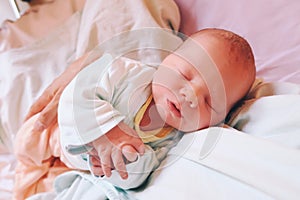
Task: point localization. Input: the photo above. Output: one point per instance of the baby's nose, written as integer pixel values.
(189, 96)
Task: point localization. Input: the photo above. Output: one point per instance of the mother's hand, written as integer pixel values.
(47, 103)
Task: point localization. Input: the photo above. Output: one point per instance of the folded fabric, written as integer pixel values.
(40, 160)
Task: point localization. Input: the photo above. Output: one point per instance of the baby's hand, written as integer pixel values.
(119, 143)
(129, 155)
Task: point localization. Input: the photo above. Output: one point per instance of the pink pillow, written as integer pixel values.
(271, 27)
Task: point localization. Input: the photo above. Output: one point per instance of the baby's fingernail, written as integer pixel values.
(124, 176)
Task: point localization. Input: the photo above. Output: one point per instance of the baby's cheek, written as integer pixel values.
(197, 120)
(161, 111)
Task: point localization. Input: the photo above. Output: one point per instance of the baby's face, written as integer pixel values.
(189, 96)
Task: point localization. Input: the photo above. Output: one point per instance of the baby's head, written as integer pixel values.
(197, 85)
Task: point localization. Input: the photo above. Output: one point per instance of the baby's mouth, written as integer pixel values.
(173, 108)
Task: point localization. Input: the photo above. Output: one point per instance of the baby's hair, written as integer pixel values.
(237, 44)
(238, 47)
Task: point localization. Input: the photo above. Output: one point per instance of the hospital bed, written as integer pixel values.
(255, 157)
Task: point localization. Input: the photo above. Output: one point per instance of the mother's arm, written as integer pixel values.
(47, 103)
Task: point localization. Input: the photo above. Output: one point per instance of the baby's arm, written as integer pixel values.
(90, 109)
(85, 112)
(90, 105)
(111, 147)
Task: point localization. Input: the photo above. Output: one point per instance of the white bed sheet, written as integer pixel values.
(225, 173)
(7, 166)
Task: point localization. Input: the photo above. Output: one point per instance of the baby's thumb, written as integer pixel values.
(129, 153)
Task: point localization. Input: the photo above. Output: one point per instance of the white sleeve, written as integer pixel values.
(100, 96)
(85, 112)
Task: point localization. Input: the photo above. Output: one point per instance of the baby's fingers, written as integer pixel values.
(97, 170)
(129, 153)
(119, 163)
(106, 164)
(95, 166)
(95, 161)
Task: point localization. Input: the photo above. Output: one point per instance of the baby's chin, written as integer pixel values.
(175, 122)
(187, 128)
